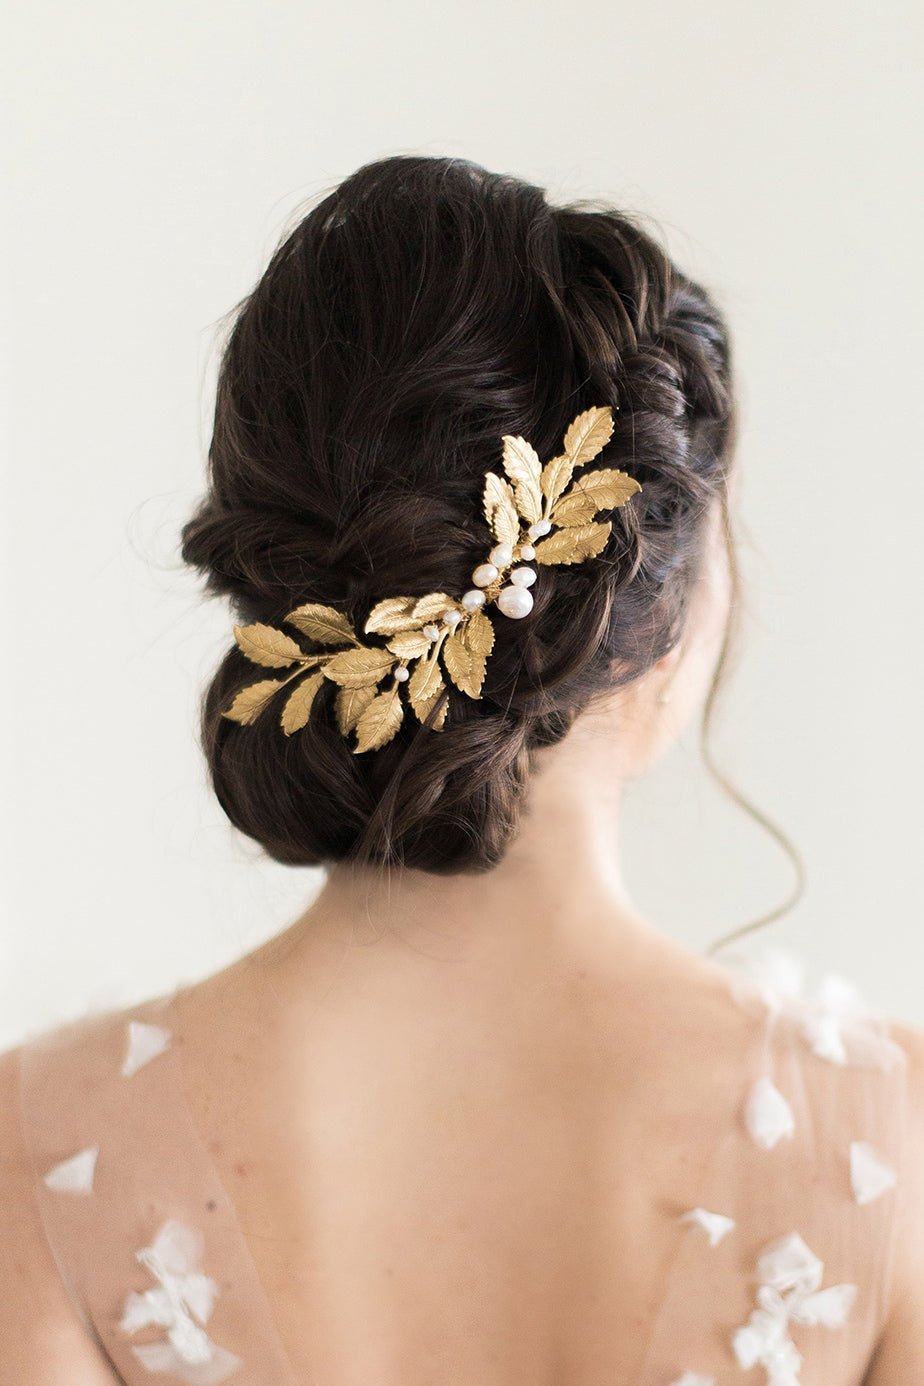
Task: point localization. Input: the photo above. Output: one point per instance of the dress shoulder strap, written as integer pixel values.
(786, 1263)
(142, 1230)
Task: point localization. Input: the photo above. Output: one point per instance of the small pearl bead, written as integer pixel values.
(401, 673)
(472, 599)
(540, 527)
(484, 574)
(431, 631)
(452, 618)
(527, 551)
(523, 577)
(501, 555)
(515, 601)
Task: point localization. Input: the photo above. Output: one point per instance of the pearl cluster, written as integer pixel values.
(514, 599)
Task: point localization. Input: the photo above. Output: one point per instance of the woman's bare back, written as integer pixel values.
(404, 1171)
(461, 1172)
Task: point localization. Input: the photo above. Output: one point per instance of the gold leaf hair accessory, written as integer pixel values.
(417, 630)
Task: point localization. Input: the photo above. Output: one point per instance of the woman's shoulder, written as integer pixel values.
(44, 1336)
(121, 1217)
(822, 1161)
(57, 1090)
(900, 1354)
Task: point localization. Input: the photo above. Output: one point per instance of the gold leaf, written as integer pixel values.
(354, 668)
(391, 615)
(409, 644)
(298, 705)
(464, 666)
(250, 701)
(555, 477)
(380, 721)
(478, 633)
(601, 490)
(425, 684)
(522, 465)
(457, 661)
(267, 645)
(588, 434)
(434, 605)
(500, 509)
(350, 704)
(573, 545)
(323, 624)
(478, 674)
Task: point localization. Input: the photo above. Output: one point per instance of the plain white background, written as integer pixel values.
(154, 155)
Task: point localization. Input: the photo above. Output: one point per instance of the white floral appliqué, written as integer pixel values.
(838, 1025)
(75, 1174)
(790, 1275)
(144, 1043)
(183, 1294)
(767, 1115)
(715, 1225)
(870, 1175)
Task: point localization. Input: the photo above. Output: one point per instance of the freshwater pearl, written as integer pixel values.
(540, 527)
(431, 631)
(515, 601)
(472, 599)
(484, 574)
(452, 617)
(401, 673)
(523, 577)
(527, 551)
(501, 555)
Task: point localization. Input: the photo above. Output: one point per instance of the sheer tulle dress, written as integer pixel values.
(779, 1273)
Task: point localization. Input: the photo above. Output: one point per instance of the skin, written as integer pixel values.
(424, 1075)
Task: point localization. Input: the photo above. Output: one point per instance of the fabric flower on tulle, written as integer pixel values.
(790, 1275)
(75, 1174)
(182, 1296)
(835, 1021)
(143, 1043)
(870, 1174)
(715, 1225)
(767, 1115)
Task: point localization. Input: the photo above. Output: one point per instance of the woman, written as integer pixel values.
(472, 1117)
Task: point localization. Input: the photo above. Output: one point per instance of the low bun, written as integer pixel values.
(443, 799)
(421, 310)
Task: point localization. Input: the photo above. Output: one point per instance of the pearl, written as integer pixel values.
(540, 527)
(501, 555)
(401, 673)
(473, 599)
(515, 601)
(527, 551)
(523, 577)
(431, 631)
(452, 618)
(484, 574)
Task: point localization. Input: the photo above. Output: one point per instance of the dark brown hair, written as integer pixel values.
(418, 312)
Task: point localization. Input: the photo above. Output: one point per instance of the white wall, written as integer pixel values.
(153, 154)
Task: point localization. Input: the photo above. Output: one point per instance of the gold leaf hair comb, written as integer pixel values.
(417, 630)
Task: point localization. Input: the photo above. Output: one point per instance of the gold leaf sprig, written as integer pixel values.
(420, 632)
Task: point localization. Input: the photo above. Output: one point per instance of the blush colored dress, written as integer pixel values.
(780, 1274)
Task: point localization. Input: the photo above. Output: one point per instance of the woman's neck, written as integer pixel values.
(560, 879)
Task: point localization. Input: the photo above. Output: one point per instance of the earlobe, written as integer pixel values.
(664, 696)
(668, 664)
